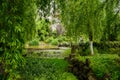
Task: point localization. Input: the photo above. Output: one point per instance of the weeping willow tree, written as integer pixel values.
(17, 25)
(86, 16)
(83, 16)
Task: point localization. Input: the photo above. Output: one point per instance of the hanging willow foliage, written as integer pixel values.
(81, 16)
(86, 16)
(112, 22)
(17, 25)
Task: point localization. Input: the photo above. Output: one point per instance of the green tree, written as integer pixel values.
(17, 25)
(88, 17)
(83, 16)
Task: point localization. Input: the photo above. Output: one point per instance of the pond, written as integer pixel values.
(60, 52)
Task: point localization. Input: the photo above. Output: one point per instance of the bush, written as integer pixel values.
(104, 64)
(85, 52)
(115, 50)
(34, 42)
(84, 49)
(100, 47)
(106, 45)
(48, 40)
(55, 42)
(109, 47)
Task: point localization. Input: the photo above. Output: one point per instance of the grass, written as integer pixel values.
(45, 69)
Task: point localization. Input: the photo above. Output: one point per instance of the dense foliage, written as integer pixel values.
(102, 47)
(17, 25)
(104, 65)
(45, 69)
(112, 20)
(93, 18)
(83, 17)
(42, 29)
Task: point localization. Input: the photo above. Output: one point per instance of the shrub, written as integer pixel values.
(104, 64)
(34, 42)
(110, 47)
(85, 52)
(84, 49)
(105, 45)
(55, 42)
(48, 40)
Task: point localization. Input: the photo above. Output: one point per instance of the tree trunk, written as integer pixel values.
(91, 48)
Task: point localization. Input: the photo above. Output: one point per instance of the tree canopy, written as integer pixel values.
(17, 25)
(87, 16)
